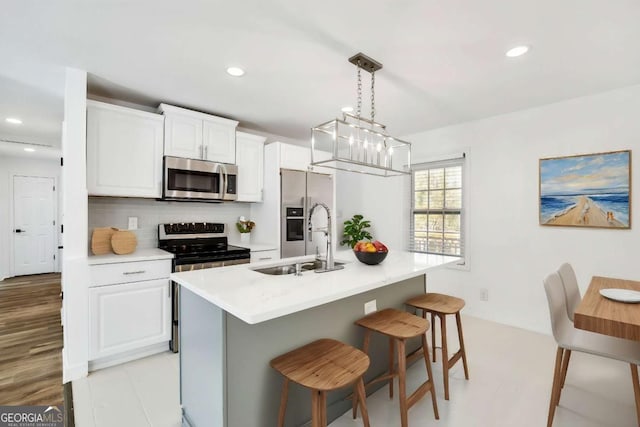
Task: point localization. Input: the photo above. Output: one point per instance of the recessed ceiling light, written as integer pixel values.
(13, 121)
(347, 109)
(235, 71)
(29, 150)
(517, 51)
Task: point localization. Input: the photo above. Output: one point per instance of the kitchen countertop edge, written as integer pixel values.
(254, 297)
(146, 254)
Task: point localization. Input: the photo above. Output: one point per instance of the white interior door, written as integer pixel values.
(33, 225)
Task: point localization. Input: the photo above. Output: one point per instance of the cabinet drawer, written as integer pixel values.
(257, 256)
(125, 272)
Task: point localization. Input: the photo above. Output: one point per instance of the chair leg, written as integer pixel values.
(392, 351)
(322, 408)
(636, 389)
(365, 350)
(315, 408)
(461, 341)
(427, 362)
(402, 383)
(363, 404)
(445, 355)
(555, 389)
(283, 402)
(433, 336)
(565, 366)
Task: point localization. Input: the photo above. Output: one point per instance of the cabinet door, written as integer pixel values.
(219, 142)
(128, 316)
(250, 161)
(183, 136)
(294, 157)
(124, 151)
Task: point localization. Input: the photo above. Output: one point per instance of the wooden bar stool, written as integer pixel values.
(323, 365)
(400, 326)
(441, 305)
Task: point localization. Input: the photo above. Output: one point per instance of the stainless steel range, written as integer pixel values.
(196, 245)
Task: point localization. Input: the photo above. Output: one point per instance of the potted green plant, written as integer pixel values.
(354, 231)
(245, 226)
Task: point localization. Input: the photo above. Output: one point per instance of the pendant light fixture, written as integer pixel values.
(357, 144)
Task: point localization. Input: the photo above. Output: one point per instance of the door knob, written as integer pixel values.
(17, 230)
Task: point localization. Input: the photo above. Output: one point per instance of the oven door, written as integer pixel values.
(192, 179)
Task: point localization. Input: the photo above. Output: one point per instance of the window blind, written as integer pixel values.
(437, 207)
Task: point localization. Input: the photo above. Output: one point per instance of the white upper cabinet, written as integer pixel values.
(219, 141)
(183, 136)
(197, 135)
(250, 161)
(124, 151)
(294, 157)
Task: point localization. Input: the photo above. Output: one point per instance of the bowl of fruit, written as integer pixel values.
(370, 253)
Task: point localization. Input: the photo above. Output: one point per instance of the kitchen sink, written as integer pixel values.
(280, 270)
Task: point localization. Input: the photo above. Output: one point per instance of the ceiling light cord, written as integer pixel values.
(359, 90)
(373, 96)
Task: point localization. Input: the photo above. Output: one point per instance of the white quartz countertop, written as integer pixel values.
(147, 254)
(256, 297)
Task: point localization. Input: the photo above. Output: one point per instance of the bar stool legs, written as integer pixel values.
(461, 341)
(321, 366)
(439, 305)
(399, 326)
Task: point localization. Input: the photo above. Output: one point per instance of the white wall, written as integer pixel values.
(509, 253)
(379, 200)
(10, 166)
(75, 270)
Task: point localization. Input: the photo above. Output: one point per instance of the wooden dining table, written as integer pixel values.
(599, 314)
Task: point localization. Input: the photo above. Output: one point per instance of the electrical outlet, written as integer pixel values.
(133, 223)
(484, 294)
(370, 307)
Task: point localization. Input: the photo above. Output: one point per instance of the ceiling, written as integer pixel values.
(443, 61)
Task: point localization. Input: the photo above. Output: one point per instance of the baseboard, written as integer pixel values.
(72, 372)
(128, 356)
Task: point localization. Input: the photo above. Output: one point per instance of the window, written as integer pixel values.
(436, 211)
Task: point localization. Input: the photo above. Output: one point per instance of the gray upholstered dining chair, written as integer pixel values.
(571, 339)
(571, 290)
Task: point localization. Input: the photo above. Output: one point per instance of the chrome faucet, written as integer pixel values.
(330, 263)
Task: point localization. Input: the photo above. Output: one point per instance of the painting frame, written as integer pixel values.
(561, 203)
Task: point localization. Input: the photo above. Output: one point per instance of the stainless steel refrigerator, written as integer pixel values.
(299, 191)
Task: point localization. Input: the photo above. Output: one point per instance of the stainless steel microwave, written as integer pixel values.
(190, 179)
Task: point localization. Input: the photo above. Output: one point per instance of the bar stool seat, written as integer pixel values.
(322, 365)
(399, 326)
(442, 305)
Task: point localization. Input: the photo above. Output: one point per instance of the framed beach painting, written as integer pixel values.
(588, 190)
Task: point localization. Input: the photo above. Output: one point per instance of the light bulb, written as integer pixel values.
(379, 147)
(351, 140)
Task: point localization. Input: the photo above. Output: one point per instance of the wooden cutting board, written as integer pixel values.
(124, 242)
(101, 240)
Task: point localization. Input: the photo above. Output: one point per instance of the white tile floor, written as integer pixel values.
(511, 372)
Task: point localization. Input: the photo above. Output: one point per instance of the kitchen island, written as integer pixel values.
(234, 320)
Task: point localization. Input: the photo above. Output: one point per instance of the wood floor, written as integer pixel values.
(31, 341)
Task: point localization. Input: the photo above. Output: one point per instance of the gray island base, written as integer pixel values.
(227, 340)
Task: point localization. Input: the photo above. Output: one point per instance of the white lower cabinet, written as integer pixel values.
(257, 256)
(129, 316)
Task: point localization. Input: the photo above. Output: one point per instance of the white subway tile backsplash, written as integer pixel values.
(114, 212)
